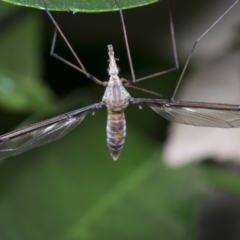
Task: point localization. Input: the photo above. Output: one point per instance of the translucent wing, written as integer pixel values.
(195, 113)
(42, 133)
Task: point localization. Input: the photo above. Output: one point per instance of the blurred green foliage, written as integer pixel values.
(71, 189)
(21, 88)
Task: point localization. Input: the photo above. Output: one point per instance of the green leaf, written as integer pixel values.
(72, 189)
(21, 88)
(83, 5)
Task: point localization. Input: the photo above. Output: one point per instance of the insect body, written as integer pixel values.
(116, 99)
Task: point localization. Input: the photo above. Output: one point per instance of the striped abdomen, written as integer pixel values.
(116, 132)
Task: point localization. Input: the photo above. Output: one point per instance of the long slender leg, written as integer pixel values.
(195, 44)
(128, 50)
(82, 69)
(129, 85)
(176, 67)
(126, 42)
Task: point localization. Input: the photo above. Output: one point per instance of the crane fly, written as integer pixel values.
(116, 98)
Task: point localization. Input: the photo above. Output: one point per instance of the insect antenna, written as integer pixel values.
(195, 44)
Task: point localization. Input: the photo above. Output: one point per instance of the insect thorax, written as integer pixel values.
(116, 97)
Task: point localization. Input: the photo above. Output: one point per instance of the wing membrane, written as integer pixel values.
(42, 133)
(195, 113)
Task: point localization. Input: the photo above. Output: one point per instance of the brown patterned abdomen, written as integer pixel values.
(116, 133)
